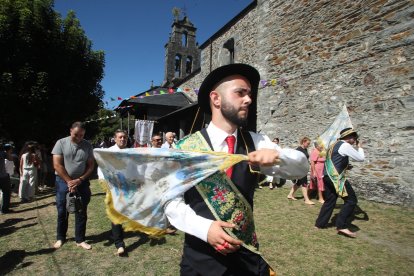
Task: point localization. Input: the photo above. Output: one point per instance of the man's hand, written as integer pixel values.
(264, 157)
(72, 184)
(220, 240)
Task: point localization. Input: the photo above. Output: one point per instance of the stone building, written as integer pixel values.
(182, 59)
(182, 55)
(327, 54)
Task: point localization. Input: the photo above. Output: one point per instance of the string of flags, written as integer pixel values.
(123, 107)
(100, 119)
(273, 82)
(161, 91)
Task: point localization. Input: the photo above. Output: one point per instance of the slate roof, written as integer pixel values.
(177, 99)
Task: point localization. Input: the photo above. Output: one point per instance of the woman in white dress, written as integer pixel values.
(29, 163)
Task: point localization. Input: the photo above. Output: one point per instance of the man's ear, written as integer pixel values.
(215, 98)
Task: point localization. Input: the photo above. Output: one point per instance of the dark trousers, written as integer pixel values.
(205, 261)
(5, 186)
(80, 217)
(330, 197)
(118, 235)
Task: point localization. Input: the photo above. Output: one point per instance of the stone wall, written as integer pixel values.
(331, 53)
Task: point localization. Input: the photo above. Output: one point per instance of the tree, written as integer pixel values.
(104, 124)
(49, 74)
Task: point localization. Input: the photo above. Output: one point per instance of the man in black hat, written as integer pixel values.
(336, 184)
(216, 214)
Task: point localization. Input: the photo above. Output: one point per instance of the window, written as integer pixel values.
(184, 39)
(177, 66)
(229, 45)
(189, 65)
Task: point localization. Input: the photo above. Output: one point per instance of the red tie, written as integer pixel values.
(230, 140)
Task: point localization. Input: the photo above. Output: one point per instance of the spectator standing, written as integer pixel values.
(10, 166)
(317, 162)
(73, 162)
(29, 165)
(274, 181)
(302, 182)
(169, 140)
(156, 141)
(5, 185)
(121, 141)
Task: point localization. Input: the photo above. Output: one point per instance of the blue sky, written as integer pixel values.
(133, 34)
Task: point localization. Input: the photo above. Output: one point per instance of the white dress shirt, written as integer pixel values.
(293, 165)
(347, 149)
(166, 145)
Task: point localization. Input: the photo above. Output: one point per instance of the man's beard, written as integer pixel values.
(231, 114)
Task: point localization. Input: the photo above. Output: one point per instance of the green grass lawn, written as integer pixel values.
(288, 240)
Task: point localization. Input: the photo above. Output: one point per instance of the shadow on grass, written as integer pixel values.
(12, 221)
(15, 258)
(43, 196)
(34, 207)
(143, 239)
(358, 214)
(106, 237)
(8, 227)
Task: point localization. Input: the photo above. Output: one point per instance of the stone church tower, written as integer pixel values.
(182, 55)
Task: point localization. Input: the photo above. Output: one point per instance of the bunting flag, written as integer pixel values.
(274, 82)
(161, 91)
(100, 119)
(140, 181)
(123, 107)
(331, 134)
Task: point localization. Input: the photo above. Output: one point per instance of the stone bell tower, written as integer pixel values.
(182, 55)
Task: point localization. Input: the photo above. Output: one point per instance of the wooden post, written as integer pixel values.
(128, 123)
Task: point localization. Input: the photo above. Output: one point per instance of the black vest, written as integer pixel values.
(340, 162)
(244, 180)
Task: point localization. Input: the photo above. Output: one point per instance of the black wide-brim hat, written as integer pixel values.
(348, 132)
(247, 71)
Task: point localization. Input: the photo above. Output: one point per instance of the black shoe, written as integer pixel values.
(8, 211)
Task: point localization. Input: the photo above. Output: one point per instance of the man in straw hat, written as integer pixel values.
(336, 184)
(216, 215)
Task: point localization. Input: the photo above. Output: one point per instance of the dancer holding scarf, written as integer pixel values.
(217, 214)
